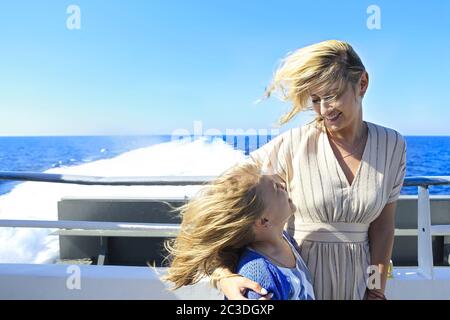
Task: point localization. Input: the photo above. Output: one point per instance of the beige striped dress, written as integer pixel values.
(333, 217)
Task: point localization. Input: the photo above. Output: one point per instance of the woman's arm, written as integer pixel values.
(234, 285)
(381, 231)
(381, 241)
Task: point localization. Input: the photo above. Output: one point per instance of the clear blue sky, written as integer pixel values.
(143, 67)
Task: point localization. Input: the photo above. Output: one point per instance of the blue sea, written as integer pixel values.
(38, 154)
(427, 155)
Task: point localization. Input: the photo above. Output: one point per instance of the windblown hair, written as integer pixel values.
(216, 225)
(317, 66)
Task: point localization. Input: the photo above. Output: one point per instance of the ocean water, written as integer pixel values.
(428, 156)
(39, 154)
(136, 156)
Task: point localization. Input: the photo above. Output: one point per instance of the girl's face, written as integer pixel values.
(340, 111)
(279, 207)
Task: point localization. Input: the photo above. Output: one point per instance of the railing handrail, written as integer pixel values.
(88, 225)
(165, 180)
(153, 229)
(111, 181)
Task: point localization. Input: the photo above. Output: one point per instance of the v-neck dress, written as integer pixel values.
(332, 218)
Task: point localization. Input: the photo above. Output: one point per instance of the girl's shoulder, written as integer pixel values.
(253, 265)
(258, 268)
(251, 262)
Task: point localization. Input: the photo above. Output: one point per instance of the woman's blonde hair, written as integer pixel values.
(216, 225)
(317, 66)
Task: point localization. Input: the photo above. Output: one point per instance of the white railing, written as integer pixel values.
(98, 228)
(424, 231)
(108, 181)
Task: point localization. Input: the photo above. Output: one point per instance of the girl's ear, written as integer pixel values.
(262, 223)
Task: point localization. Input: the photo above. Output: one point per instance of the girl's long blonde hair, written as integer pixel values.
(317, 66)
(216, 225)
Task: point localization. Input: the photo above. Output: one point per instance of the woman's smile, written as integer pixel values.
(333, 116)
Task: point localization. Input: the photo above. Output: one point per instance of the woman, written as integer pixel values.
(343, 174)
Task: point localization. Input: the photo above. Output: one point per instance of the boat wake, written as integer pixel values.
(38, 200)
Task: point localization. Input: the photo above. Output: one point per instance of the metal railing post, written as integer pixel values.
(424, 244)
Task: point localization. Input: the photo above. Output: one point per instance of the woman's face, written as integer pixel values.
(279, 207)
(341, 111)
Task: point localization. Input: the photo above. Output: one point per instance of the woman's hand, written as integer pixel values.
(374, 295)
(234, 288)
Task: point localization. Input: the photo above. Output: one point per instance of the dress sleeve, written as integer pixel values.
(399, 172)
(273, 158)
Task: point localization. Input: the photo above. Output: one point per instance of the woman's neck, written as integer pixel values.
(352, 133)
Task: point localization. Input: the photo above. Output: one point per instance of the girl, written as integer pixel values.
(239, 218)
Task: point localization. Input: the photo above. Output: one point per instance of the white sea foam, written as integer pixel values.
(38, 200)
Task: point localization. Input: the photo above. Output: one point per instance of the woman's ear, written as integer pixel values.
(364, 83)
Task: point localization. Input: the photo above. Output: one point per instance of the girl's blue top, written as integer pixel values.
(284, 283)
